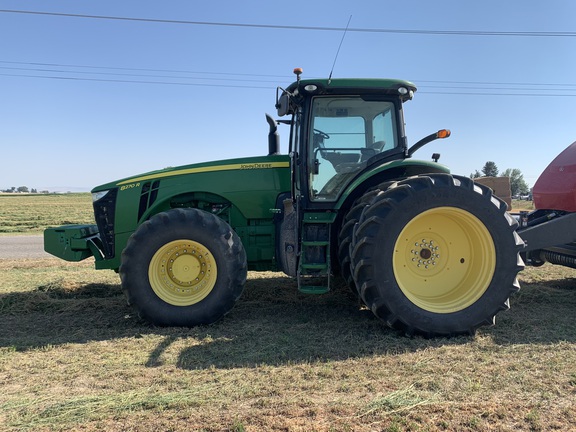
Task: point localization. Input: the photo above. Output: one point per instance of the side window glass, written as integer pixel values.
(344, 133)
(335, 152)
(384, 136)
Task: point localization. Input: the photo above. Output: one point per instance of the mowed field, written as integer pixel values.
(30, 214)
(73, 356)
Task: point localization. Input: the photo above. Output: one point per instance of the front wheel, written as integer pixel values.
(183, 267)
(436, 255)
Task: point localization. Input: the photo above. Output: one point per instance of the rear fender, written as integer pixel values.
(395, 170)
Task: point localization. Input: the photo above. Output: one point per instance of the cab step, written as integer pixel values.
(314, 266)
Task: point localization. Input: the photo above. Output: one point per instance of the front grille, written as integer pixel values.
(104, 212)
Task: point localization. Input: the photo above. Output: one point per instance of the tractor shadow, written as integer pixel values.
(272, 324)
(56, 313)
(275, 326)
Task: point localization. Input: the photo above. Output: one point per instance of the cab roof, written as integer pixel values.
(357, 86)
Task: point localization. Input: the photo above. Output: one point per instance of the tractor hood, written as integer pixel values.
(250, 163)
(249, 185)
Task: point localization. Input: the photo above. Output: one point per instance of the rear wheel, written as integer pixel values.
(345, 236)
(436, 255)
(347, 230)
(183, 267)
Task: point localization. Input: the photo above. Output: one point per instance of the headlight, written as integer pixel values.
(99, 195)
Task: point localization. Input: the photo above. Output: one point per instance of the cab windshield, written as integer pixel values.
(345, 133)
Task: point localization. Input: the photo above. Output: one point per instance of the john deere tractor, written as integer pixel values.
(428, 252)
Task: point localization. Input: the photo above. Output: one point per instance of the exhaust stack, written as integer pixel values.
(273, 137)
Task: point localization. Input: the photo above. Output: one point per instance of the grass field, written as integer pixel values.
(73, 356)
(31, 214)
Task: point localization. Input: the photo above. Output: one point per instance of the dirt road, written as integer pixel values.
(17, 247)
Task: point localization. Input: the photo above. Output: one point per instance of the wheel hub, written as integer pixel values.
(425, 254)
(185, 267)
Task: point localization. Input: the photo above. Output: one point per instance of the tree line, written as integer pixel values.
(518, 185)
(22, 189)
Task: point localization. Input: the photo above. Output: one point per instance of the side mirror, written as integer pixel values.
(283, 105)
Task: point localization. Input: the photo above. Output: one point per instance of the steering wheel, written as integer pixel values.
(319, 137)
(324, 135)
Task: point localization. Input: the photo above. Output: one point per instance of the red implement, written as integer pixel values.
(555, 189)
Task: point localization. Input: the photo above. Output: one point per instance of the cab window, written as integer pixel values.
(345, 133)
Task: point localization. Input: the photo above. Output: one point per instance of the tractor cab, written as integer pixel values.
(344, 135)
(340, 128)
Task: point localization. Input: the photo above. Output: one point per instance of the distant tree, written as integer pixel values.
(490, 169)
(476, 174)
(12, 189)
(517, 184)
(33, 190)
(22, 189)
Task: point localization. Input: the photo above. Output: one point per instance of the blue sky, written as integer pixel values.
(84, 101)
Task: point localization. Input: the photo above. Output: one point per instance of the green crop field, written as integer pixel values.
(73, 356)
(31, 214)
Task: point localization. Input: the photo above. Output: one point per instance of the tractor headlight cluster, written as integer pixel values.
(99, 195)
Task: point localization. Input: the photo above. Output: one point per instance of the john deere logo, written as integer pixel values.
(256, 166)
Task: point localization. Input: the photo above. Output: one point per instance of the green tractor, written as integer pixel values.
(428, 252)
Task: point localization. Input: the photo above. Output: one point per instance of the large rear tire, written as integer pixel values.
(345, 237)
(347, 230)
(436, 255)
(183, 267)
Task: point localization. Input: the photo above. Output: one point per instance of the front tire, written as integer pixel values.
(436, 255)
(183, 267)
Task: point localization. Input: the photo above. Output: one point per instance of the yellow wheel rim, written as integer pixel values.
(182, 272)
(444, 259)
